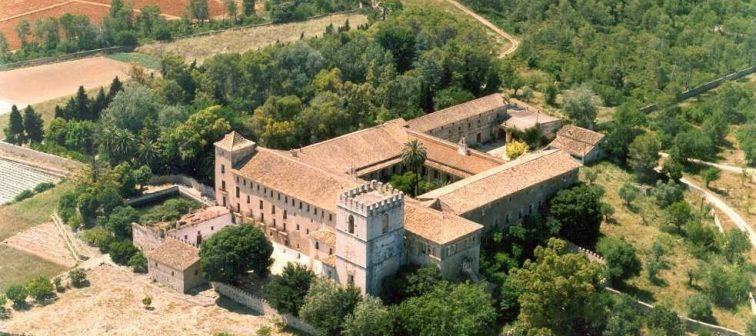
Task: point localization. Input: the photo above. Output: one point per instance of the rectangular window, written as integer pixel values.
(300, 205)
(316, 211)
(285, 213)
(273, 209)
(330, 217)
(238, 207)
(247, 199)
(261, 204)
(237, 192)
(223, 169)
(297, 227)
(223, 185)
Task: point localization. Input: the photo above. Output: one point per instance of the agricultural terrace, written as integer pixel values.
(644, 225)
(241, 40)
(14, 11)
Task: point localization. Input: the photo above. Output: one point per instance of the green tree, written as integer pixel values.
(46, 31)
(710, 174)
(327, 305)
(400, 41)
(138, 263)
(663, 319)
(410, 281)
(15, 132)
(628, 193)
(17, 294)
(121, 251)
(451, 96)
(23, 30)
(233, 251)
(678, 214)
(668, 193)
(735, 245)
(4, 49)
(286, 292)
(248, 6)
(578, 211)
(726, 286)
(231, 9)
(751, 327)
(130, 109)
(41, 289)
(622, 263)
(199, 10)
(33, 125)
(622, 317)
(580, 107)
(369, 318)
(414, 155)
(643, 156)
(698, 307)
(558, 292)
(459, 309)
(119, 221)
(78, 277)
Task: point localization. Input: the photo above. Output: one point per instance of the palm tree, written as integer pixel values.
(413, 157)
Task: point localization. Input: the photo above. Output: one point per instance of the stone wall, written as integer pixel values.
(692, 326)
(207, 193)
(261, 306)
(49, 163)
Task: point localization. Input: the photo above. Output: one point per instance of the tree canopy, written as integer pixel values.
(233, 251)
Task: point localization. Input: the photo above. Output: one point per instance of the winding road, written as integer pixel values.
(514, 43)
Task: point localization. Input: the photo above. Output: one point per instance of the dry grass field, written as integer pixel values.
(238, 41)
(627, 224)
(116, 293)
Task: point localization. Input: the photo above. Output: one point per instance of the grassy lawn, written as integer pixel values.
(641, 226)
(31, 211)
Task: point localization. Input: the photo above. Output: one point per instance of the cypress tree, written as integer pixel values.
(33, 125)
(15, 132)
(60, 113)
(98, 104)
(81, 105)
(115, 87)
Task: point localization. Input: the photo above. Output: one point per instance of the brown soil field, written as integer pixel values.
(10, 8)
(41, 83)
(43, 241)
(111, 305)
(95, 13)
(171, 7)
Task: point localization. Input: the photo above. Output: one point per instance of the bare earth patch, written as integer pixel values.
(41, 83)
(111, 305)
(43, 241)
(241, 40)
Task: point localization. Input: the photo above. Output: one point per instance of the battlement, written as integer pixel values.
(372, 196)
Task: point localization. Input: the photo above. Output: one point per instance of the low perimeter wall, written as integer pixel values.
(52, 164)
(691, 325)
(204, 190)
(261, 306)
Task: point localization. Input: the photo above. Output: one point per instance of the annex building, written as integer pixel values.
(329, 206)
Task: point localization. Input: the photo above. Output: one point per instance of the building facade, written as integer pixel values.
(328, 203)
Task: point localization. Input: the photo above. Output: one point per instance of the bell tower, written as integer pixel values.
(230, 151)
(369, 235)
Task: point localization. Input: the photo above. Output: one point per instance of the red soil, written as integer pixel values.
(171, 7)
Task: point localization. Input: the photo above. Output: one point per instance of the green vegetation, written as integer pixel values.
(286, 292)
(170, 210)
(78, 277)
(577, 211)
(233, 251)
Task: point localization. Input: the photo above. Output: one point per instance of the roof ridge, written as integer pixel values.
(452, 145)
(286, 156)
(380, 126)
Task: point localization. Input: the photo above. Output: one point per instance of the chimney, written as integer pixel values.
(462, 148)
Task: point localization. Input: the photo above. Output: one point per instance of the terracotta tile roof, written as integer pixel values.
(574, 147)
(445, 153)
(324, 236)
(523, 116)
(197, 216)
(356, 150)
(497, 183)
(233, 140)
(456, 113)
(434, 225)
(284, 173)
(175, 254)
(580, 134)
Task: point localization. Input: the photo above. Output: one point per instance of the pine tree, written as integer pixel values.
(99, 103)
(81, 105)
(15, 132)
(33, 125)
(115, 87)
(248, 7)
(60, 113)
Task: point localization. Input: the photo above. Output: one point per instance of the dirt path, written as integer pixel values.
(725, 208)
(725, 167)
(514, 43)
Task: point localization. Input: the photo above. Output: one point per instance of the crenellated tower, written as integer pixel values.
(369, 235)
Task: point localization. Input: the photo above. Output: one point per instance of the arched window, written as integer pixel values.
(385, 223)
(351, 224)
